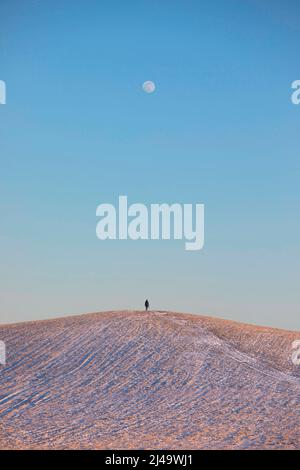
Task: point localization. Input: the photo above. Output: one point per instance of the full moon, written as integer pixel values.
(148, 86)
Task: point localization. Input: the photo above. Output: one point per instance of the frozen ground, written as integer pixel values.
(148, 380)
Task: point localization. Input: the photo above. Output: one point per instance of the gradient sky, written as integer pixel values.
(220, 129)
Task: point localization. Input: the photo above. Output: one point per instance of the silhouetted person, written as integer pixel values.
(147, 304)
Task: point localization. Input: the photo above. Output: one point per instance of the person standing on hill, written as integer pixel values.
(146, 305)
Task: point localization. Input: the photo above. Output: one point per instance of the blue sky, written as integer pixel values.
(220, 129)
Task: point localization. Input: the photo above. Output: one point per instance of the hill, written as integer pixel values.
(153, 380)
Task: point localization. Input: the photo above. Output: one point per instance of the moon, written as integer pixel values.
(149, 86)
